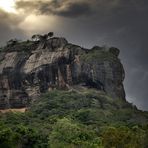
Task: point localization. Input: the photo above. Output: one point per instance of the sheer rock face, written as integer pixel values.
(55, 63)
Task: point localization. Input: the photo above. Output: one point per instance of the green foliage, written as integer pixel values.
(67, 133)
(12, 42)
(98, 55)
(21, 136)
(16, 45)
(24, 46)
(114, 51)
(71, 119)
(7, 138)
(123, 137)
(1, 49)
(30, 138)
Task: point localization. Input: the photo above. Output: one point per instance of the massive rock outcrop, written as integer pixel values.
(28, 69)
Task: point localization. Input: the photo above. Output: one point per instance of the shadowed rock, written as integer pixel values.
(26, 71)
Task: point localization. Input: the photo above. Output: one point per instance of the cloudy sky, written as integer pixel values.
(119, 23)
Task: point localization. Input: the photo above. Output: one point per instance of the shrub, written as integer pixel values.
(70, 134)
(123, 137)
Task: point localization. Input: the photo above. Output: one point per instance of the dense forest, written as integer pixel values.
(75, 119)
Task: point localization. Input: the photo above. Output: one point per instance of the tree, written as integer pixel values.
(66, 133)
(123, 137)
(43, 37)
(12, 42)
(7, 138)
(30, 138)
(114, 51)
(50, 34)
(36, 37)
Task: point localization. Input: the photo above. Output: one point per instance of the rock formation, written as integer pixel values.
(28, 69)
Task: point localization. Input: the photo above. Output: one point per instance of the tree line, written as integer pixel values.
(35, 37)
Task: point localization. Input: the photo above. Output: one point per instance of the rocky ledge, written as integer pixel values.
(30, 68)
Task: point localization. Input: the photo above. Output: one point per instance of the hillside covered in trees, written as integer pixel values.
(73, 97)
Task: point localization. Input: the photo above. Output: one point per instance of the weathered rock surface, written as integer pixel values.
(55, 63)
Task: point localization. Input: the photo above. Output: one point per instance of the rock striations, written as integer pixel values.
(30, 68)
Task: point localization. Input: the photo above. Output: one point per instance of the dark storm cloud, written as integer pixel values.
(54, 7)
(76, 8)
(120, 23)
(126, 28)
(67, 9)
(8, 26)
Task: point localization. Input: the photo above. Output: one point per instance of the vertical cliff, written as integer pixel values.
(30, 68)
